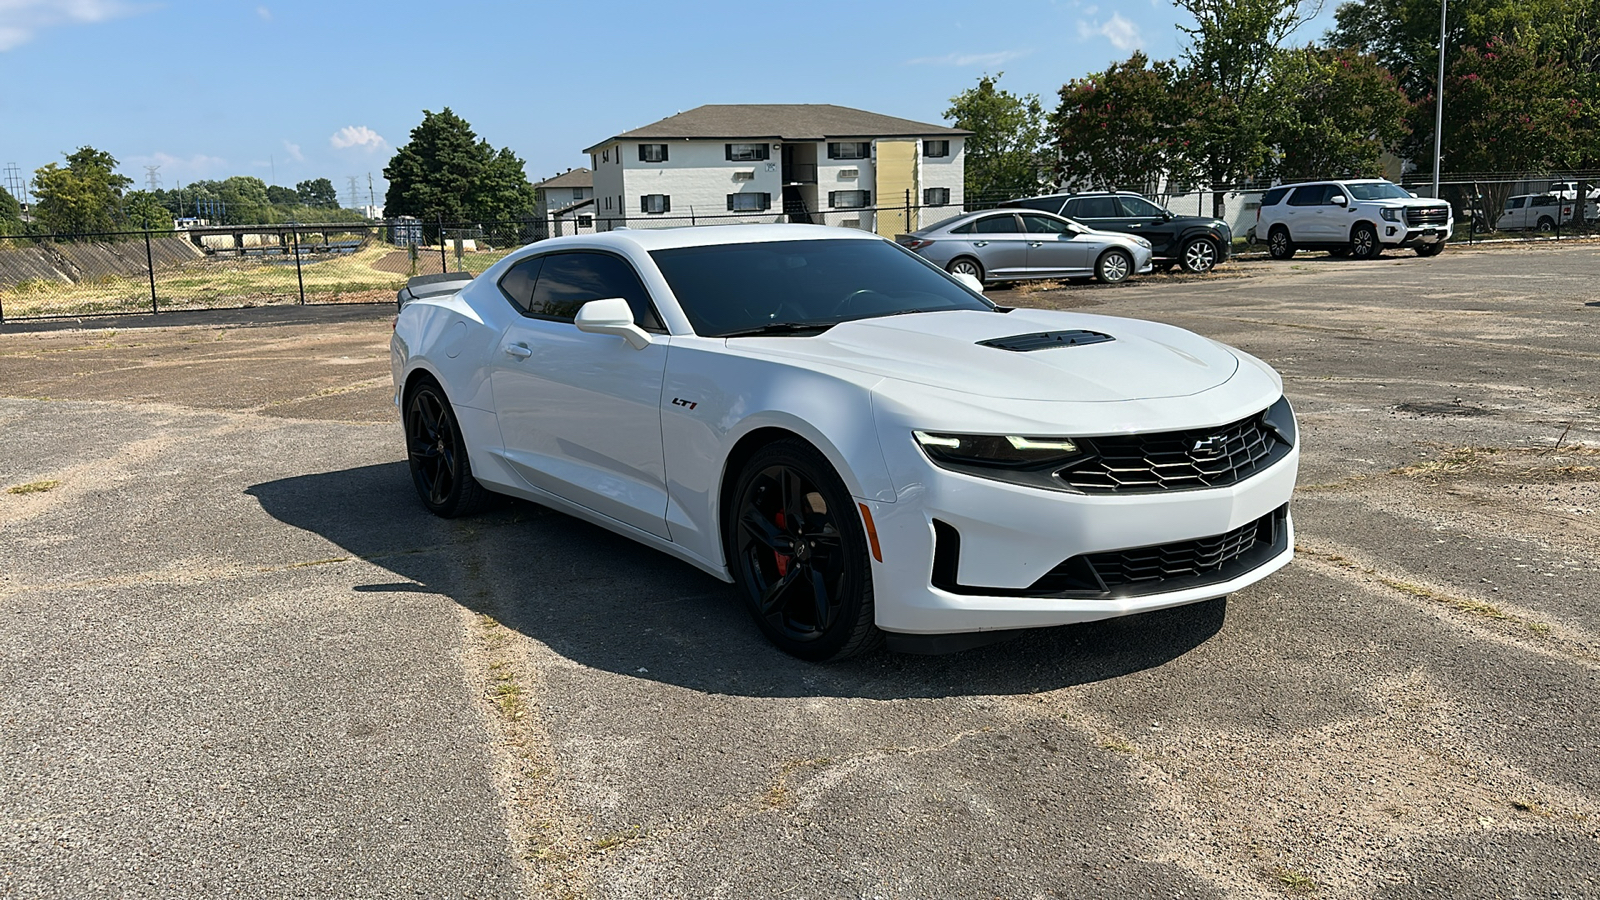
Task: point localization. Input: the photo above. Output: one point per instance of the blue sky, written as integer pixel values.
(287, 90)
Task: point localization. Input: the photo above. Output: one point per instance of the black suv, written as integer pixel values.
(1196, 243)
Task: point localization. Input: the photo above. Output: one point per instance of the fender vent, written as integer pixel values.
(1044, 340)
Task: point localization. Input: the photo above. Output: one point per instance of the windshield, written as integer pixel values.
(1383, 190)
(730, 289)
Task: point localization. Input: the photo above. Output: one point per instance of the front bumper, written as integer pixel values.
(1011, 537)
(1396, 234)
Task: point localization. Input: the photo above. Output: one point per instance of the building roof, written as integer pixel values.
(579, 177)
(781, 121)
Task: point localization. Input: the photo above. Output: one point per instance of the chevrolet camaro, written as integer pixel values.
(861, 442)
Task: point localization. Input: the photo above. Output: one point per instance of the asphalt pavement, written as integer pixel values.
(238, 658)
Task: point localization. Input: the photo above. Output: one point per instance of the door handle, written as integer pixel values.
(1036, 243)
(520, 351)
(980, 243)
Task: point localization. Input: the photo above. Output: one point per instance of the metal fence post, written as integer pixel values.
(150, 266)
(294, 233)
(908, 211)
(444, 261)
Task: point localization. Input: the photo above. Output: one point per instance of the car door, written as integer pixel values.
(1000, 245)
(580, 414)
(1511, 218)
(1149, 221)
(1099, 212)
(1055, 247)
(1306, 210)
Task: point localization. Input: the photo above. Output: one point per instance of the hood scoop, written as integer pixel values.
(1045, 340)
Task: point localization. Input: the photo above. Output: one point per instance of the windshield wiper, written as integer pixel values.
(806, 328)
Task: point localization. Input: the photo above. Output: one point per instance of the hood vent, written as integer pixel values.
(1044, 340)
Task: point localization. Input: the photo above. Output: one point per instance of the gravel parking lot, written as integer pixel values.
(238, 658)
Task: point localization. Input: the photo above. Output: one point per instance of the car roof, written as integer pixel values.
(648, 239)
(1335, 181)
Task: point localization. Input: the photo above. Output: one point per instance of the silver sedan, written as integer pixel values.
(1016, 244)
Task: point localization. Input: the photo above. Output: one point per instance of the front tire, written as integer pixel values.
(1433, 249)
(1278, 244)
(1114, 266)
(798, 549)
(1364, 243)
(1200, 256)
(437, 454)
(966, 265)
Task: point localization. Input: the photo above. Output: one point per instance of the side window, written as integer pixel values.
(1095, 208)
(1043, 224)
(1310, 195)
(569, 280)
(1542, 200)
(1274, 196)
(1138, 206)
(1048, 204)
(964, 228)
(517, 284)
(1006, 224)
(1514, 203)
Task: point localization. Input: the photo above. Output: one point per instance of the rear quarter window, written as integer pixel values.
(1274, 196)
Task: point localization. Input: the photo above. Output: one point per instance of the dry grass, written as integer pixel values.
(33, 487)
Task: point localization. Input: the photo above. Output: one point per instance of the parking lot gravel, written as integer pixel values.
(239, 659)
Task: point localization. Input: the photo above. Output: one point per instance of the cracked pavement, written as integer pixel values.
(239, 659)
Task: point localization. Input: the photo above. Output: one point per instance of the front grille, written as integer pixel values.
(1176, 460)
(1170, 567)
(1427, 215)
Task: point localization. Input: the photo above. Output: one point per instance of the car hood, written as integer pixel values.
(1145, 360)
(1409, 202)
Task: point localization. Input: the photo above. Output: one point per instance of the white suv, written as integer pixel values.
(1360, 217)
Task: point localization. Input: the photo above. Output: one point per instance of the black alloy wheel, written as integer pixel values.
(798, 549)
(1364, 243)
(1200, 255)
(1278, 244)
(437, 454)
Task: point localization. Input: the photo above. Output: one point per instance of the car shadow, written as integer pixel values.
(609, 603)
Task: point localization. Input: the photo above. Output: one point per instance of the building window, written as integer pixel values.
(577, 193)
(935, 196)
(605, 155)
(747, 152)
(586, 221)
(849, 149)
(652, 153)
(655, 203)
(749, 201)
(935, 149)
(849, 199)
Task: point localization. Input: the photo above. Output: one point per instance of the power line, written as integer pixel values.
(14, 182)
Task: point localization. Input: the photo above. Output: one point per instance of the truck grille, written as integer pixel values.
(1427, 215)
(1176, 460)
(1169, 567)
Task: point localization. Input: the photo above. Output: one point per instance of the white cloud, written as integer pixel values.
(264, 13)
(1122, 34)
(22, 20)
(359, 136)
(294, 151)
(969, 59)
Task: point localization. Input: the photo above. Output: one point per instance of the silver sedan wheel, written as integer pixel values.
(1199, 256)
(1114, 267)
(966, 267)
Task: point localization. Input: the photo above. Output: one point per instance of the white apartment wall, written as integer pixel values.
(698, 178)
(607, 186)
(835, 175)
(944, 172)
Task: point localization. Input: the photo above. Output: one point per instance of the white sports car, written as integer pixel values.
(860, 441)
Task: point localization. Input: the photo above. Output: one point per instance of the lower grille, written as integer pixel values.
(1135, 572)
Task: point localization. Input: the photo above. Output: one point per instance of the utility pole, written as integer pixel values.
(152, 178)
(371, 201)
(1438, 113)
(355, 199)
(14, 182)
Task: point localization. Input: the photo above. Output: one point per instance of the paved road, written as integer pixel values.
(238, 659)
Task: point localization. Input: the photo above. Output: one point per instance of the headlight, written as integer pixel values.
(1142, 242)
(1280, 418)
(1009, 457)
(1390, 214)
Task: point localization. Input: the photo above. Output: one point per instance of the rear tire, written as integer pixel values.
(1279, 246)
(1113, 266)
(1364, 242)
(437, 454)
(965, 265)
(796, 545)
(1547, 224)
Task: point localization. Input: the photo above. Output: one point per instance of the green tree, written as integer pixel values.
(1003, 152)
(446, 172)
(85, 196)
(282, 196)
(10, 213)
(1339, 111)
(1510, 109)
(144, 210)
(1121, 128)
(317, 193)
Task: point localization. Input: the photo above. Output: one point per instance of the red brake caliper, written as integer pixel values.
(779, 558)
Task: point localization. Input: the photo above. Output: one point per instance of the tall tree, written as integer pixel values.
(317, 193)
(1339, 111)
(10, 213)
(446, 172)
(282, 196)
(1003, 153)
(144, 210)
(85, 196)
(1511, 109)
(1121, 128)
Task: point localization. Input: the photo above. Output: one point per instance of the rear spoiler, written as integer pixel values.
(431, 286)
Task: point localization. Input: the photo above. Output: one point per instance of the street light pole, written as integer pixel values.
(1438, 113)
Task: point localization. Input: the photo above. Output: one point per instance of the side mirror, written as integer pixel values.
(971, 281)
(611, 316)
(1166, 215)
(1340, 200)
